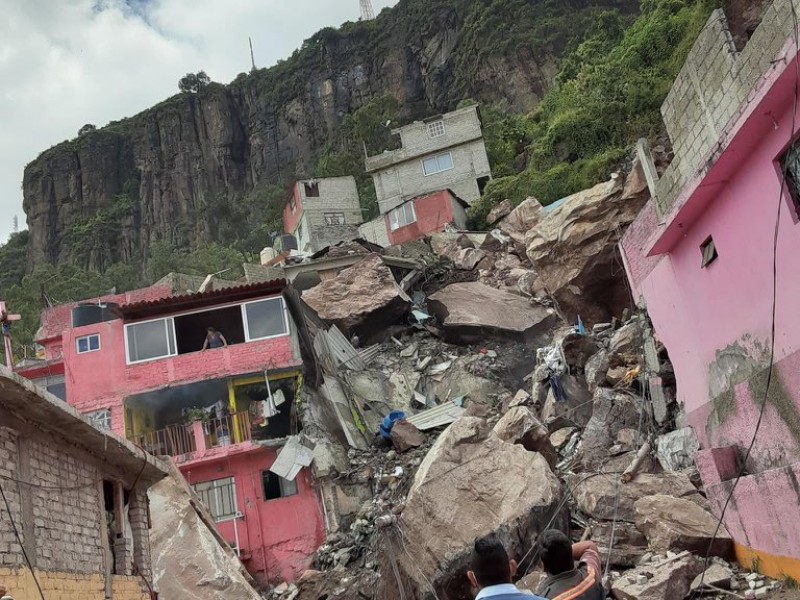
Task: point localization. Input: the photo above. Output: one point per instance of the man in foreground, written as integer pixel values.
(491, 572)
(566, 580)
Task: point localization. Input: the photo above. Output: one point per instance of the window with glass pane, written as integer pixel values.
(100, 419)
(437, 164)
(402, 216)
(153, 339)
(265, 318)
(219, 496)
(88, 343)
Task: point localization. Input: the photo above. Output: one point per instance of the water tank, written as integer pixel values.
(267, 254)
(288, 242)
(86, 314)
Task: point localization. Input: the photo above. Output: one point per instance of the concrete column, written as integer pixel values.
(137, 514)
(199, 436)
(121, 558)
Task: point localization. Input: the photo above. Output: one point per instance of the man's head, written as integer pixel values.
(489, 564)
(211, 330)
(556, 549)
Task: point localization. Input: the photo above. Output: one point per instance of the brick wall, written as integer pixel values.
(59, 514)
(713, 88)
(68, 586)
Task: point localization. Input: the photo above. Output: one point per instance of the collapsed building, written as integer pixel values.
(73, 500)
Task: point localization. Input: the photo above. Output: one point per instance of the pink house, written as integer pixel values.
(424, 215)
(700, 255)
(134, 363)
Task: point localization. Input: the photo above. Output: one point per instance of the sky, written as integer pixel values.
(66, 63)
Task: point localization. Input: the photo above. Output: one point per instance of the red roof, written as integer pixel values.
(145, 308)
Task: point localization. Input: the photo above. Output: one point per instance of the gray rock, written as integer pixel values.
(520, 426)
(627, 340)
(668, 580)
(717, 575)
(676, 450)
(613, 411)
(595, 370)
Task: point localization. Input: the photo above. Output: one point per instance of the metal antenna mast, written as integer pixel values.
(367, 14)
(252, 56)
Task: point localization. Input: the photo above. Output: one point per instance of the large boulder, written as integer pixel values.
(671, 523)
(520, 426)
(573, 247)
(613, 411)
(362, 299)
(406, 436)
(498, 212)
(595, 370)
(190, 558)
(596, 494)
(472, 311)
(668, 580)
(470, 484)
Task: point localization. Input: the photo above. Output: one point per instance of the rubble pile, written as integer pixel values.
(514, 387)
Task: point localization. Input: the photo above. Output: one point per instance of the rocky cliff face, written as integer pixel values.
(170, 173)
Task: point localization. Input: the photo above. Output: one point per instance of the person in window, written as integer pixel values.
(214, 339)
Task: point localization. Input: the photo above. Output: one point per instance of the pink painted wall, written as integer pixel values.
(699, 313)
(433, 212)
(277, 537)
(89, 392)
(292, 217)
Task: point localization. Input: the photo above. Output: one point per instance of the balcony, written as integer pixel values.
(179, 440)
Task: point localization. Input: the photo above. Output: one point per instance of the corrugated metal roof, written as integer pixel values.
(199, 299)
(444, 414)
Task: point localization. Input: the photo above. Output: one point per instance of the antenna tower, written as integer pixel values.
(367, 14)
(16, 224)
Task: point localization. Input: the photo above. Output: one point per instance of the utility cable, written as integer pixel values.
(770, 371)
(19, 541)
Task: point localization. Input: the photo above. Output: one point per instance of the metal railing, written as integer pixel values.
(173, 440)
(228, 430)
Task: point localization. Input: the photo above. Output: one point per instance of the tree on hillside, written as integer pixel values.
(191, 83)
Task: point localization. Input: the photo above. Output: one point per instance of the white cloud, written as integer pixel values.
(64, 63)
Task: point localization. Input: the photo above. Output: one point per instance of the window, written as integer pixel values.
(312, 190)
(54, 384)
(276, 486)
(88, 343)
(219, 496)
(436, 129)
(402, 216)
(265, 319)
(709, 251)
(292, 204)
(334, 218)
(100, 419)
(437, 164)
(790, 164)
(149, 340)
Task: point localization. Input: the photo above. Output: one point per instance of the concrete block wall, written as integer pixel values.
(408, 180)
(459, 125)
(713, 87)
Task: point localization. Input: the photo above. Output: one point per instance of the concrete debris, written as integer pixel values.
(671, 523)
(613, 411)
(627, 340)
(438, 538)
(292, 458)
(716, 575)
(467, 259)
(629, 547)
(406, 436)
(676, 450)
(668, 580)
(472, 311)
(363, 299)
(561, 437)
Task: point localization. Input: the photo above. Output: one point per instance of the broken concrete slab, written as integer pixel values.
(495, 486)
(677, 449)
(472, 311)
(406, 436)
(520, 426)
(717, 575)
(362, 299)
(667, 580)
(671, 523)
(595, 495)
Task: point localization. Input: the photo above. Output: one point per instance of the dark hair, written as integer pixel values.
(556, 549)
(490, 562)
(211, 330)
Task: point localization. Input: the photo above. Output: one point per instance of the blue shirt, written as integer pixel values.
(505, 591)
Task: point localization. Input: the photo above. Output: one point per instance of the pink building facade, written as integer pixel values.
(134, 364)
(424, 215)
(700, 256)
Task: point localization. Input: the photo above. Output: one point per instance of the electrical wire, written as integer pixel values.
(771, 369)
(19, 541)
